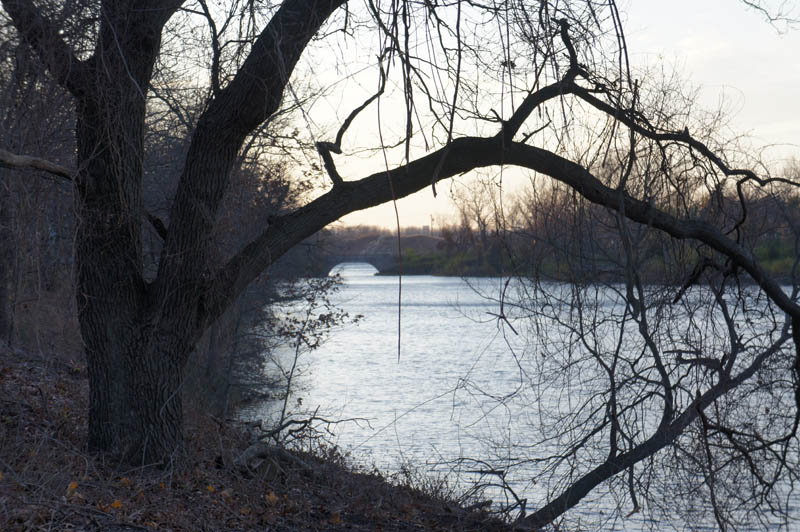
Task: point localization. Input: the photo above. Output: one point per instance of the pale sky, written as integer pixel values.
(726, 50)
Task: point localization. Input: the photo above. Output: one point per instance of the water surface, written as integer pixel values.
(442, 397)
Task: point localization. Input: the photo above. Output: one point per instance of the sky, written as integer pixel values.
(726, 50)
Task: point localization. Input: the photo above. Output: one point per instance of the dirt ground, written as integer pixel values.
(48, 480)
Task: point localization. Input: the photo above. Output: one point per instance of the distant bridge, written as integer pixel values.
(381, 261)
(380, 250)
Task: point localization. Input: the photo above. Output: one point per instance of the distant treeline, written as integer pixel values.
(554, 237)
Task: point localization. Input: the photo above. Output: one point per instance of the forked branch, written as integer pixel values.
(326, 148)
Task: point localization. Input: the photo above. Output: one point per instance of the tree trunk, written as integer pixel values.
(134, 361)
(6, 260)
(135, 368)
(137, 335)
(212, 350)
(135, 402)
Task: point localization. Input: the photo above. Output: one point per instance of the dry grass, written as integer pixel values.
(50, 482)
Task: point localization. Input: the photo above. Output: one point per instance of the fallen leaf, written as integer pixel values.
(117, 504)
(125, 482)
(210, 488)
(245, 510)
(71, 488)
(336, 519)
(271, 497)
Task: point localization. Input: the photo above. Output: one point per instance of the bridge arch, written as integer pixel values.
(383, 262)
(358, 268)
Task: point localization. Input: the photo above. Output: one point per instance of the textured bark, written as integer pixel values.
(112, 299)
(6, 261)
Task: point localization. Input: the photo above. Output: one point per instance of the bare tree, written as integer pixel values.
(618, 325)
(652, 365)
(35, 216)
(504, 84)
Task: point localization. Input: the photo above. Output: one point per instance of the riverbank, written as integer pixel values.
(469, 265)
(48, 481)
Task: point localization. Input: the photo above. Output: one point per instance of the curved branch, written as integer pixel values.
(683, 137)
(326, 148)
(660, 439)
(286, 231)
(591, 188)
(254, 95)
(467, 153)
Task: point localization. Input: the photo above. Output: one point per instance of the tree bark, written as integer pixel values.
(137, 336)
(134, 369)
(6, 260)
(111, 295)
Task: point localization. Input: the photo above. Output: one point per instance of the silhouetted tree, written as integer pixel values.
(472, 85)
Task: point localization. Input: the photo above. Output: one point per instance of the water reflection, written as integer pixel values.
(445, 397)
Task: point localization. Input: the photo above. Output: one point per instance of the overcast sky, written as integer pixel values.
(729, 52)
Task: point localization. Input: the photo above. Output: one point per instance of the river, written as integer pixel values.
(441, 398)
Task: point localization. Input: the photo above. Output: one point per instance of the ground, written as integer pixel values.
(48, 481)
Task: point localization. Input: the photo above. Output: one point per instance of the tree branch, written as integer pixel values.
(467, 153)
(682, 137)
(256, 91)
(326, 148)
(659, 440)
(254, 95)
(46, 40)
(215, 49)
(535, 98)
(591, 188)
(12, 160)
(158, 225)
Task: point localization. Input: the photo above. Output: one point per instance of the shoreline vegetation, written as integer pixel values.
(48, 481)
(563, 252)
(467, 264)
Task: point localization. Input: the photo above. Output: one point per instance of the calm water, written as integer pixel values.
(441, 401)
(416, 405)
